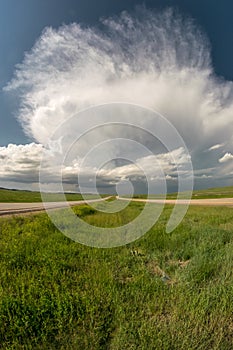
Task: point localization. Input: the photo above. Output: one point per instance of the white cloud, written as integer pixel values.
(158, 60)
(204, 176)
(20, 163)
(156, 166)
(227, 156)
(217, 146)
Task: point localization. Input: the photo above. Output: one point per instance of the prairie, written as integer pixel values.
(163, 291)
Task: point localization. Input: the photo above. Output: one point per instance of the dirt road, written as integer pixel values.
(21, 208)
(210, 202)
(7, 209)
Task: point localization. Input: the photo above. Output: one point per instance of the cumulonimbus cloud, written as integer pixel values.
(159, 60)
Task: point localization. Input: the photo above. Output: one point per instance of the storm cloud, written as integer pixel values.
(159, 60)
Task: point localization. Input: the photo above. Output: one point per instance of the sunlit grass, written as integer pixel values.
(164, 291)
(18, 196)
(218, 192)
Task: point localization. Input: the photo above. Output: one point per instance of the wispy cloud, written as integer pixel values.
(217, 146)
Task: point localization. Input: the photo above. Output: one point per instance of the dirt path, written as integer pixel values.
(7, 209)
(209, 202)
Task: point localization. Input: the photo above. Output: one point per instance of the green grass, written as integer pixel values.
(19, 196)
(217, 192)
(164, 291)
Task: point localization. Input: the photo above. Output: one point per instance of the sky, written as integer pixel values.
(59, 57)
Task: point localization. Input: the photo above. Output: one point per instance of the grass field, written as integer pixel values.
(164, 291)
(218, 192)
(19, 196)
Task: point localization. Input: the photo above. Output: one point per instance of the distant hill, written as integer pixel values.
(18, 196)
(216, 192)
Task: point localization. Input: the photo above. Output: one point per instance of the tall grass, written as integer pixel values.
(164, 291)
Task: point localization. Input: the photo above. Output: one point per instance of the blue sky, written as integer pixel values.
(23, 22)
